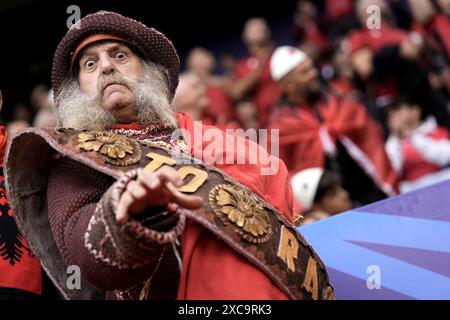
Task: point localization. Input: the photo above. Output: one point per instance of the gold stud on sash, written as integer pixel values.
(118, 150)
(239, 207)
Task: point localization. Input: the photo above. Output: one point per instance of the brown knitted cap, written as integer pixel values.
(152, 43)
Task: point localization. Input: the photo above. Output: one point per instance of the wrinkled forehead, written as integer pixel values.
(104, 45)
(96, 47)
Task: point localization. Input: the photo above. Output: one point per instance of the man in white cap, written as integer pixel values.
(320, 129)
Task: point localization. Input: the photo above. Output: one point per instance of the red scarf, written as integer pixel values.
(300, 136)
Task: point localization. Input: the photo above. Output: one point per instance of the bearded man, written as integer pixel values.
(105, 191)
(320, 129)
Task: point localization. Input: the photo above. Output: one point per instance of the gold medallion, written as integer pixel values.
(118, 150)
(239, 207)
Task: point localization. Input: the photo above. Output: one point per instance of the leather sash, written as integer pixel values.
(231, 211)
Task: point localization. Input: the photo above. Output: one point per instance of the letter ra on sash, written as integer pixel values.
(288, 248)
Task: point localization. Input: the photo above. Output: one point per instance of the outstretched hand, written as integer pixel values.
(154, 189)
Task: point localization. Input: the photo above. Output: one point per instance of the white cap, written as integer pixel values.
(284, 60)
(304, 184)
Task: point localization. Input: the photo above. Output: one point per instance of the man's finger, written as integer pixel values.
(184, 200)
(148, 179)
(122, 208)
(168, 174)
(137, 190)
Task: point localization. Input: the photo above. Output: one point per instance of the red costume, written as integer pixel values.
(203, 253)
(241, 244)
(127, 260)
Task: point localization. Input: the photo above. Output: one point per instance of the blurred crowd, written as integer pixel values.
(361, 107)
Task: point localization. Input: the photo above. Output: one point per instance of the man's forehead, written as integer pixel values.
(104, 45)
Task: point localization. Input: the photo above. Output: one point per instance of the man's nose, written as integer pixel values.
(106, 64)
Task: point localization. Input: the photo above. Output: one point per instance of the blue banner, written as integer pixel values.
(394, 249)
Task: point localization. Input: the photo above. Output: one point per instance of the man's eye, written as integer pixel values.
(120, 55)
(89, 64)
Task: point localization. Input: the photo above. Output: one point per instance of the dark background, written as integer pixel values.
(30, 30)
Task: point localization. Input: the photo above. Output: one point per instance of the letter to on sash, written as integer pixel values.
(158, 161)
(196, 182)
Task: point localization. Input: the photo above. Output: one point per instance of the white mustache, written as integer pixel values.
(106, 81)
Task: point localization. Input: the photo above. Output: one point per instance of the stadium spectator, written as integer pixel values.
(418, 149)
(320, 129)
(253, 78)
(202, 63)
